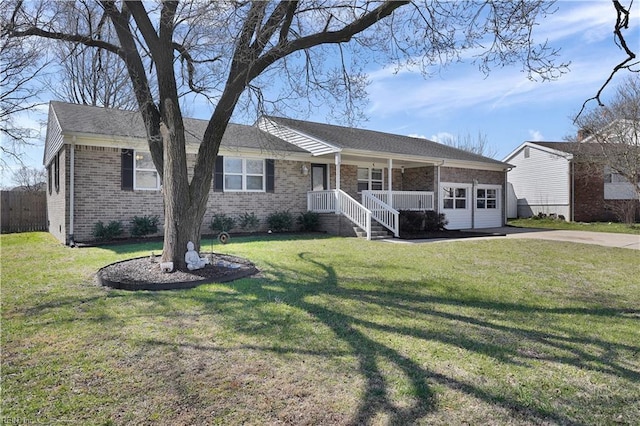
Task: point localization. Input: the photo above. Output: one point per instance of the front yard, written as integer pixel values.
(333, 331)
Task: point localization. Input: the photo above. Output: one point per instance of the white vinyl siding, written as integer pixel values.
(541, 182)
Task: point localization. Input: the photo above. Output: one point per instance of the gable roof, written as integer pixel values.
(575, 148)
(119, 126)
(114, 124)
(548, 147)
(569, 150)
(339, 138)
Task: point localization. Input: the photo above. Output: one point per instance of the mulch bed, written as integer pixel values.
(144, 273)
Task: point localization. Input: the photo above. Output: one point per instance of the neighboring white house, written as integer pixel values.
(541, 180)
(560, 178)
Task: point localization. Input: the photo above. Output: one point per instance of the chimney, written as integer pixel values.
(583, 134)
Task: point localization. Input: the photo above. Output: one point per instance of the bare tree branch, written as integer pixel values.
(622, 23)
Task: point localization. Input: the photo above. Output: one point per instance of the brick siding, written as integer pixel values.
(98, 196)
(458, 175)
(589, 202)
(57, 200)
(417, 179)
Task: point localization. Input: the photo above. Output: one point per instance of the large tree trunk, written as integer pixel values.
(183, 209)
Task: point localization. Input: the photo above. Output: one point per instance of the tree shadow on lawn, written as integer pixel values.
(208, 243)
(524, 347)
(312, 291)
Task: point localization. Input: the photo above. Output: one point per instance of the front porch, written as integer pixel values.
(378, 206)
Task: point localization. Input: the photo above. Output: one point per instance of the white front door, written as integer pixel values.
(488, 213)
(455, 203)
(319, 177)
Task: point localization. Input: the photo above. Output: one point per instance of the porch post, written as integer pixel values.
(338, 160)
(390, 180)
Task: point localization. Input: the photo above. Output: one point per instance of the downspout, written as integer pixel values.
(72, 166)
(573, 191)
(505, 198)
(474, 187)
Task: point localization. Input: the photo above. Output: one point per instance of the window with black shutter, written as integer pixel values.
(56, 172)
(218, 174)
(126, 157)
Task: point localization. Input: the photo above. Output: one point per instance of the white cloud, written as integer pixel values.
(442, 137)
(588, 21)
(581, 29)
(535, 135)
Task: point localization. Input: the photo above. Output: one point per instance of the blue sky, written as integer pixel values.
(505, 106)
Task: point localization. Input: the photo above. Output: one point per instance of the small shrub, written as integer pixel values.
(108, 232)
(413, 222)
(309, 221)
(280, 221)
(434, 221)
(144, 225)
(248, 221)
(222, 223)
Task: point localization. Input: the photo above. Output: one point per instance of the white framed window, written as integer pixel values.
(454, 198)
(244, 174)
(370, 179)
(486, 198)
(612, 176)
(145, 175)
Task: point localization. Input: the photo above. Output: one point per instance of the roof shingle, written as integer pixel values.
(369, 140)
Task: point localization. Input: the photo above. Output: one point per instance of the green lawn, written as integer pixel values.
(618, 228)
(333, 331)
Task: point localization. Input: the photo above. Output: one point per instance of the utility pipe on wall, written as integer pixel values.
(72, 166)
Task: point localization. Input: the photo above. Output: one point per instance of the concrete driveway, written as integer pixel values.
(605, 239)
(599, 238)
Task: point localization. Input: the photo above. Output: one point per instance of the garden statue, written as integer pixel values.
(193, 259)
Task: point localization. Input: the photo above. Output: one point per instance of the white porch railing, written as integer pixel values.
(321, 201)
(353, 210)
(382, 212)
(375, 204)
(339, 202)
(406, 200)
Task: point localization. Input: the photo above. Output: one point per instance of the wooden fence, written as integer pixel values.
(23, 211)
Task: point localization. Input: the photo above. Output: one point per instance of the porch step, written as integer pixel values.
(378, 232)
